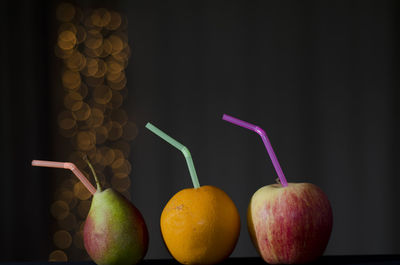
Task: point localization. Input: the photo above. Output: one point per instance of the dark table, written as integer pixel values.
(330, 260)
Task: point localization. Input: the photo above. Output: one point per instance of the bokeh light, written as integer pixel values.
(83, 113)
(93, 45)
(65, 12)
(58, 255)
(120, 184)
(81, 192)
(68, 223)
(59, 209)
(83, 208)
(62, 239)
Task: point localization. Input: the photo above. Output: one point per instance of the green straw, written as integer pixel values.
(180, 147)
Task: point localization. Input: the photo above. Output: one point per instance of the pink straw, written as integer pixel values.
(67, 165)
(266, 141)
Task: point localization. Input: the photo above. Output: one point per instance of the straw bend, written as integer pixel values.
(185, 151)
(67, 165)
(266, 142)
(260, 131)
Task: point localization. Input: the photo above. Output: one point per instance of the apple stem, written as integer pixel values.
(99, 187)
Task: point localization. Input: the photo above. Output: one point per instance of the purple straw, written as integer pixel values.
(266, 141)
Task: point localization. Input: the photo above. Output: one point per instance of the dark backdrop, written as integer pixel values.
(321, 77)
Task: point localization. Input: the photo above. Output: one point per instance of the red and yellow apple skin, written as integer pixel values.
(115, 232)
(290, 225)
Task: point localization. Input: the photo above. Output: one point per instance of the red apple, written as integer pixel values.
(290, 225)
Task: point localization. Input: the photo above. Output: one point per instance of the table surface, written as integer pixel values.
(330, 260)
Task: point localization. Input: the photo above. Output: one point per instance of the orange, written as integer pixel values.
(200, 226)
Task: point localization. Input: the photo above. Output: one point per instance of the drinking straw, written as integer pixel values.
(180, 147)
(67, 165)
(266, 142)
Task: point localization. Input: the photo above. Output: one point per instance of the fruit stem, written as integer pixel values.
(99, 187)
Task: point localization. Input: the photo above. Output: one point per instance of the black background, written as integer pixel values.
(321, 77)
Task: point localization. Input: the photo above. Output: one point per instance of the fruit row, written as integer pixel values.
(289, 223)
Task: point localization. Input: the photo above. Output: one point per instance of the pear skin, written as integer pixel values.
(114, 231)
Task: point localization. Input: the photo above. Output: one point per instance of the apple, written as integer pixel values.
(290, 225)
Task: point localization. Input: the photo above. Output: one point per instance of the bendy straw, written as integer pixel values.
(266, 142)
(180, 147)
(67, 165)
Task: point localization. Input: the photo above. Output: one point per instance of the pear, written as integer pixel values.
(115, 232)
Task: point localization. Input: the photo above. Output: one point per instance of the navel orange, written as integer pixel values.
(200, 226)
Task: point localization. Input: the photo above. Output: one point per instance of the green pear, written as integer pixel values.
(115, 232)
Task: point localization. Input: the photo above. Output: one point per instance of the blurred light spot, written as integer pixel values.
(119, 116)
(95, 53)
(66, 40)
(107, 155)
(115, 77)
(101, 69)
(70, 182)
(66, 121)
(93, 39)
(83, 113)
(123, 146)
(117, 163)
(101, 134)
(67, 27)
(69, 133)
(82, 90)
(102, 94)
(92, 152)
(115, 21)
(83, 208)
(81, 192)
(94, 82)
(71, 80)
(107, 48)
(68, 223)
(96, 118)
(72, 101)
(125, 168)
(120, 184)
(118, 85)
(63, 54)
(116, 43)
(65, 12)
(66, 196)
(114, 66)
(118, 154)
(78, 240)
(108, 125)
(116, 99)
(59, 210)
(85, 140)
(115, 132)
(58, 255)
(62, 239)
(80, 34)
(101, 17)
(76, 62)
(87, 21)
(130, 131)
(91, 67)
